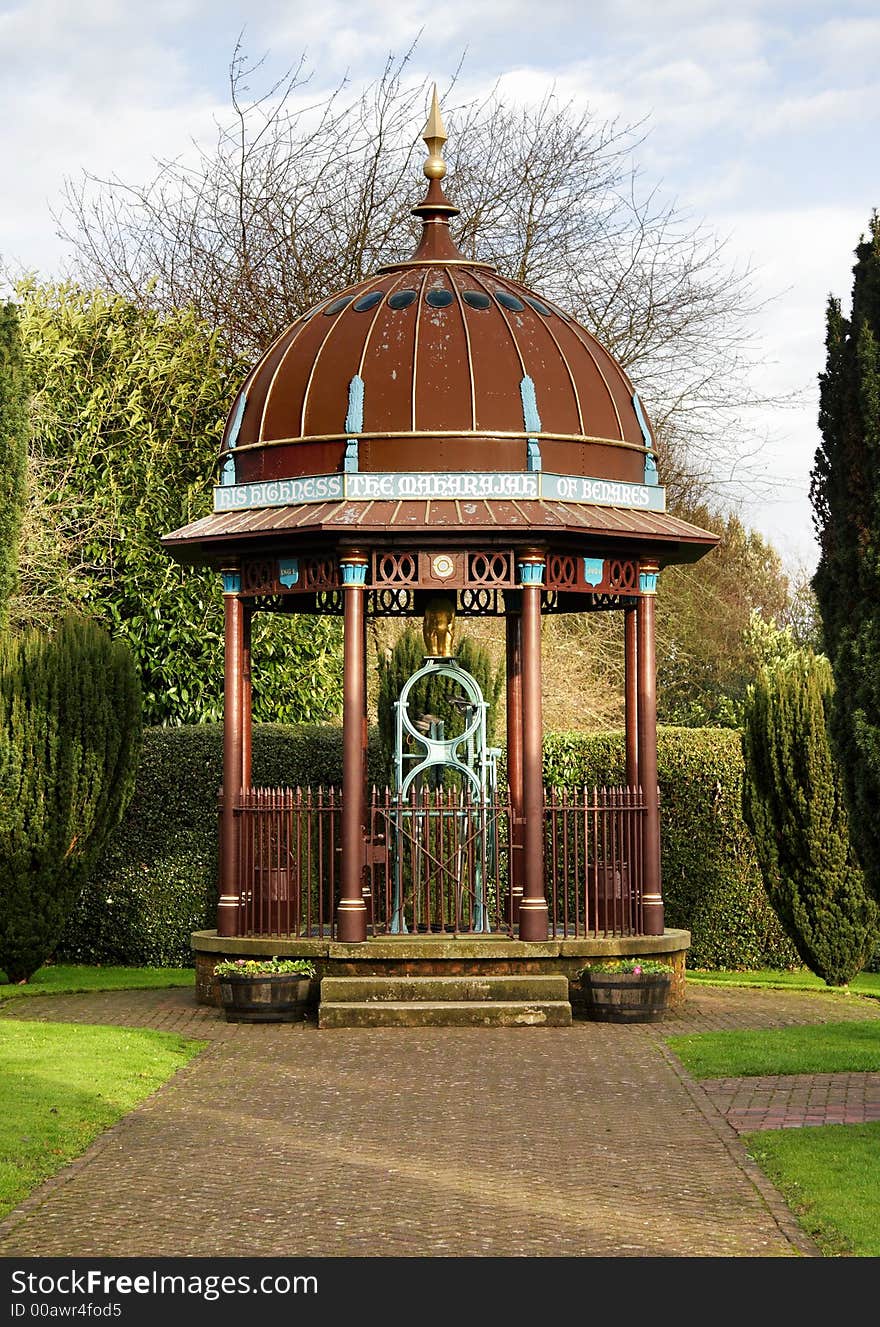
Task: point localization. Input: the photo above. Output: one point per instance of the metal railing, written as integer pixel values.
(593, 854)
(288, 861)
(437, 863)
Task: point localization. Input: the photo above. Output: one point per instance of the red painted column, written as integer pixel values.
(513, 638)
(652, 894)
(631, 696)
(227, 909)
(533, 914)
(366, 885)
(247, 727)
(351, 913)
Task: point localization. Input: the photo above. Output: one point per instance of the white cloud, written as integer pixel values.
(826, 109)
(800, 257)
(844, 48)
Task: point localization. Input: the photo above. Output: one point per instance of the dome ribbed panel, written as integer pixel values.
(438, 370)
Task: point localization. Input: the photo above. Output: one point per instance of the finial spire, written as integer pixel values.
(435, 209)
(434, 136)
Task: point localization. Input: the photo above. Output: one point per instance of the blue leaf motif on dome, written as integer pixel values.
(227, 473)
(532, 421)
(530, 406)
(354, 423)
(650, 463)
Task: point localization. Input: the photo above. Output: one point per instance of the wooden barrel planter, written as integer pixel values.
(271, 998)
(259, 990)
(625, 997)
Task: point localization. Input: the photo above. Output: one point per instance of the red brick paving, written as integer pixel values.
(791, 1101)
(581, 1142)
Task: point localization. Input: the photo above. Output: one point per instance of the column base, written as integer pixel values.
(351, 921)
(534, 919)
(652, 914)
(227, 915)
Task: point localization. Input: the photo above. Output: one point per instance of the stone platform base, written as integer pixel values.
(446, 956)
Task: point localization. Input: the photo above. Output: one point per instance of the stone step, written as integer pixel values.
(462, 988)
(444, 1013)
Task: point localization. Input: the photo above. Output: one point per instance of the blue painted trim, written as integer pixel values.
(531, 573)
(531, 418)
(354, 420)
(594, 571)
(288, 571)
(235, 426)
(648, 582)
(643, 423)
(650, 463)
(227, 473)
(354, 423)
(533, 456)
(354, 573)
(351, 461)
(231, 582)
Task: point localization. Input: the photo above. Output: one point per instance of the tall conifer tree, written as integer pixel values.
(845, 493)
(794, 805)
(13, 449)
(70, 730)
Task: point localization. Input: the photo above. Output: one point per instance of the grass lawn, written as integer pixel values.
(866, 983)
(825, 1048)
(830, 1177)
(65, 978)
(62, 1084)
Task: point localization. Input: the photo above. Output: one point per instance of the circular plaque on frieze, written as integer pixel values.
(442, 566)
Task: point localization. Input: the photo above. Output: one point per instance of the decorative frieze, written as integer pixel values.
(478, 578)
(395, 486)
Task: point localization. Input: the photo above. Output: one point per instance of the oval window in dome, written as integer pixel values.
(539, 307)
(367, 302)
(476, 299)
(402, 299)
(439, 299)
(337, 305)
(509, 301)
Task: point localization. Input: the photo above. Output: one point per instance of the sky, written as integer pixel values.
(760, 121)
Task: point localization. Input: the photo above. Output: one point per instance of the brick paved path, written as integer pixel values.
(790, 1101)
(286, 1141)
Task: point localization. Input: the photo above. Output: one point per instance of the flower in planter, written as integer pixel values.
(636, 966)
(626, 990)
(265, 967)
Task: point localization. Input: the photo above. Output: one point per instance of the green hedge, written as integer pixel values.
(157, 880)
(712, 885)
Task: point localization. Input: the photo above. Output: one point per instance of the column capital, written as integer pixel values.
(531, 563)
(231, 577)
(354, 568)
(649, 573)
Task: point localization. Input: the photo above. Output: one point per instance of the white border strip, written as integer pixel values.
(397, 486)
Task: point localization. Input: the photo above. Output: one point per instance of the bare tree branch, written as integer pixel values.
(299, 197)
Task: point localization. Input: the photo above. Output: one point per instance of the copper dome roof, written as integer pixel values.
(437, 364)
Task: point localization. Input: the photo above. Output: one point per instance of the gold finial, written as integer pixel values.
(434, 135)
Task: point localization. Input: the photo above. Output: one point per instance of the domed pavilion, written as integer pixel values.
(439, 434)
